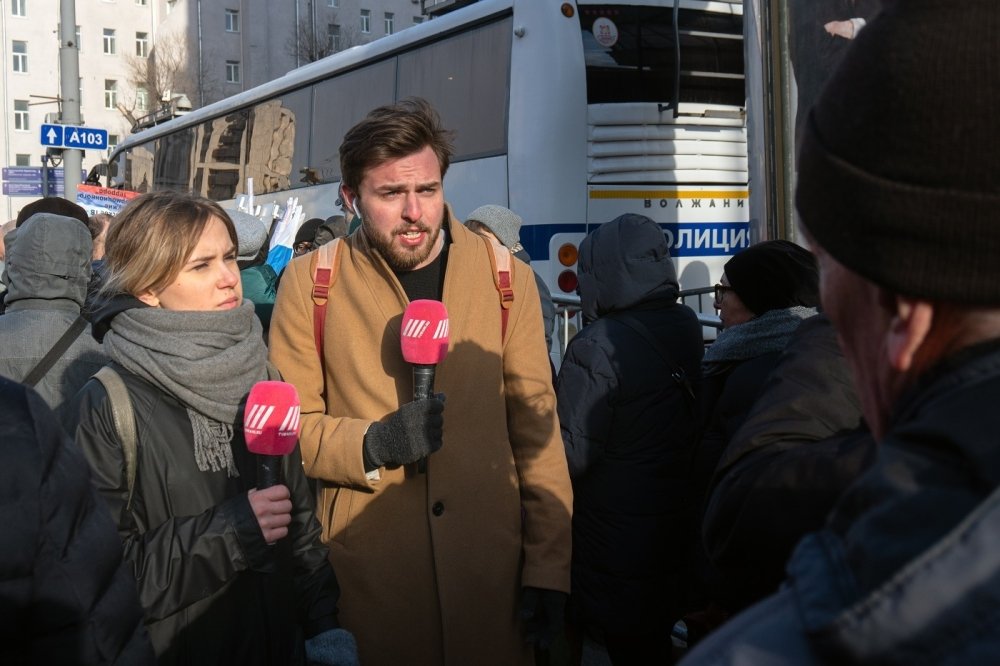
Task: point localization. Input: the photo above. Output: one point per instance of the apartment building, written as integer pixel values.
(136, 55)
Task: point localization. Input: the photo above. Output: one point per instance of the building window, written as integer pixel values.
(22, 159)
(20, 53)
(232, 20)
(141, 99)
(332, 3)
(18, 7)
(142, 2)
(21, 115)
(112, 141)
(79, 44)
(390, 20)
(366, 21)
(232, 71)
(417, 20)
(333, 37)
(110, 94)
(142, 44)
(109, 41)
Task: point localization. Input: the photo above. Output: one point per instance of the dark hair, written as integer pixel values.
(390, 132)
(54, 205)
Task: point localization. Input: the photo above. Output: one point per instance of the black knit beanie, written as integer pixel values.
(774, 275)
(899, 167)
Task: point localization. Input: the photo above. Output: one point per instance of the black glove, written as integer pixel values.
(411, 433)
(544, 614)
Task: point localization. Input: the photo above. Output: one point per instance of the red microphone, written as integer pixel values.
(424, 335)
(271, 427)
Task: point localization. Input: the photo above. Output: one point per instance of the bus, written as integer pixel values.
(569, 113)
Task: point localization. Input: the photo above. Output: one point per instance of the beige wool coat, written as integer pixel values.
(431, 565)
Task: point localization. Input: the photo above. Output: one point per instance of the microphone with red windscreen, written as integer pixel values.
(271, 427)
(424, 336)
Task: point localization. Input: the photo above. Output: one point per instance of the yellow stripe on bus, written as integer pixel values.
(668, 194)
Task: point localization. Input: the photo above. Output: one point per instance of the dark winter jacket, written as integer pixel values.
(908, 567)
(629, 429)
(48, 270)
(801, 445)
(67, 598)
(213, 591)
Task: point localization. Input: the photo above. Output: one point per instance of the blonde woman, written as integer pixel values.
(226, 573)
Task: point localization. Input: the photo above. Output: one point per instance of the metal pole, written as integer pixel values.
(69, 85)
(45, 175)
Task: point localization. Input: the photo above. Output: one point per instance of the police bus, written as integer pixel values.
(568, 113)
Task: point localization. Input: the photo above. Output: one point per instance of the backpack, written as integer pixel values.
(326, 265)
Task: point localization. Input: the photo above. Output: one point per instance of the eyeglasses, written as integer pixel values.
(721, 289)
(302, 247)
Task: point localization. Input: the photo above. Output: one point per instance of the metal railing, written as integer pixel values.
(568, 313)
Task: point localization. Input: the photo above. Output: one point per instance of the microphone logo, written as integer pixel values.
(258, 414)
(415, 328)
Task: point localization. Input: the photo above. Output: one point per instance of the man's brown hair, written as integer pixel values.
(390, 132)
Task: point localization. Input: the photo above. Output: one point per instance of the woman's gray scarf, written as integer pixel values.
(209, 361)
(761, 335)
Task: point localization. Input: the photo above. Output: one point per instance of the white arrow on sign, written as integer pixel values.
(51, 136)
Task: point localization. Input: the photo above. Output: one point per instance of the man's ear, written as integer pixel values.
(348, 196)
(908, 330)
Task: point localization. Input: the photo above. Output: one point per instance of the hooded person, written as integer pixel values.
(505, 225)
(48, 271)
(627, 410)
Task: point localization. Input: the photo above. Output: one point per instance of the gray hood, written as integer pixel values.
(624, 263)
(50, 260)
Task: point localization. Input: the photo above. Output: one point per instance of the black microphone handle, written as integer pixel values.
(268, 471)
(423, 381)
(423, 388)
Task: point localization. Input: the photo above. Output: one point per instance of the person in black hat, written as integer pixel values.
(765, 292)
(305, 237)
(898, 190)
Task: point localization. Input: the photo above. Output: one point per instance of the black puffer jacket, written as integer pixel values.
(907, 570)
(213, 591)
(801, 445)
(66, 596)
(628, 429)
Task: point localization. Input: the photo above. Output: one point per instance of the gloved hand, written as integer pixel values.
(333, 647)
(411, 433)
(544, 615)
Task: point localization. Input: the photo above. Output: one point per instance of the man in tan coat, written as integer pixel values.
(468, 562)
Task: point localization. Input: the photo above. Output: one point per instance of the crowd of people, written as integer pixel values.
(818, 484)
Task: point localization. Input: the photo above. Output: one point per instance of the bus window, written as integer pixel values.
(172, 161)
(219, 156)
(279, 142)
(338, 104)
(630, 55)
(138, 170)
(465, 78)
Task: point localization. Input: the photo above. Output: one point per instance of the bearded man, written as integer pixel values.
(468, 561)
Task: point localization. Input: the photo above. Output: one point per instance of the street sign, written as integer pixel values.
(74, 136)
(32, 189)
(52, 136)
(34, 174)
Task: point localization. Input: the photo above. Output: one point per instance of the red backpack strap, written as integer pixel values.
(326, 264)
(503, 279)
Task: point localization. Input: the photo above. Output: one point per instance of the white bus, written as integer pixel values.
(569, 113)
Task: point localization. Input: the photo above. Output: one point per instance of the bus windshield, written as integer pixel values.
(630, 54)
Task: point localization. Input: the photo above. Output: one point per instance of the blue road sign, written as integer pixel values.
(52, 136)
(74, 136)
(32, 189)
(34, 174)
(85, 138)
